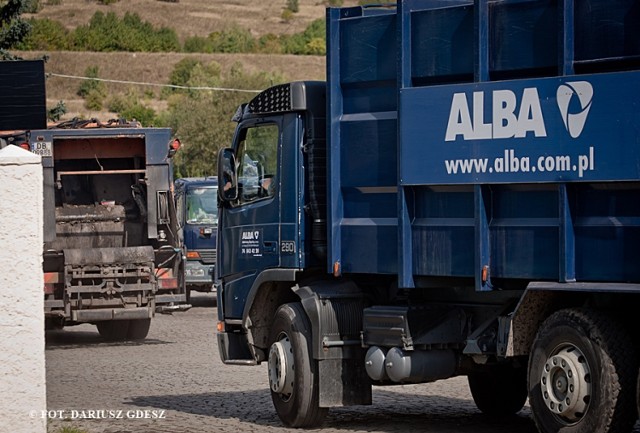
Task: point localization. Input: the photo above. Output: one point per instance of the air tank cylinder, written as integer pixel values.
(374, 363)
(419, 365)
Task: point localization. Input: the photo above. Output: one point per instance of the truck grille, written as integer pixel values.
(208, 256)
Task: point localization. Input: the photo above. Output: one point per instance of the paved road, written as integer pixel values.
(175, 382)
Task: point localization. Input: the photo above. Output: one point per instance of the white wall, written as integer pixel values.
(22, 362)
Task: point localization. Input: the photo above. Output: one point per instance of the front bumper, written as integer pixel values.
(199, 274)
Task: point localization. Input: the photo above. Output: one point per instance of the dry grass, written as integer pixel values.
(156, 67)
(188, 18)
(197, 17)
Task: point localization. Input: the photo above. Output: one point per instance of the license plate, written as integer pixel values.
(42, 148)
(195, 272)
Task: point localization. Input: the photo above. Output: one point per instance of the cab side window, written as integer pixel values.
(257, 163)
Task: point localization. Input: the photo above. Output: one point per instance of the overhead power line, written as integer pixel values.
(139, 83)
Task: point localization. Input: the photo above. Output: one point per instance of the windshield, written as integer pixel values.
(202, 205)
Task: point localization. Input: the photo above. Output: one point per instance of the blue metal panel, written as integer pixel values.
(566, 49)
(334, 132)
(506, 159)
(361, 71)
(442, 220)
(441, 45)
(405, 238)
(567, 237)
(523, 37)
(482, 239)
(607, 29)
(607, 231)
(481, 45)
(579, 128)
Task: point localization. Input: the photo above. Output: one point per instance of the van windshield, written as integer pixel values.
(202, 205)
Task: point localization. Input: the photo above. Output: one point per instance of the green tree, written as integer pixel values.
(54, 114)
(233, 40)
(293, 6)
(92, 90)
(45, 35)
(13, 29)
(310, 41)
(197, 44)
(202, 119)
(130, 106)
(110, 33)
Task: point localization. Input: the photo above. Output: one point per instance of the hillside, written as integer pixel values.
(154, 68)
(196, 17)
(187, 18)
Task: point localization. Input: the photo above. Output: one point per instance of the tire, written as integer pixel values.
(500, 390)
(138, 329)
(638, 394)
(582, 374)
(113, 330)
(293, 374)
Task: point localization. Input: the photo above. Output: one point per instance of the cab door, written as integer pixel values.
(250, 225)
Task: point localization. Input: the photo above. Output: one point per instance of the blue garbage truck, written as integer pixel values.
(461, 197)
(197, 209)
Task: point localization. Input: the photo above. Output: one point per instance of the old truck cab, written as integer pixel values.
(197, 209)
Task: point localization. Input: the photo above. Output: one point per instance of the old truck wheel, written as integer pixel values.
(138, 329)
(582, 374)
(293, 374)
(113, 330)
(500, 390)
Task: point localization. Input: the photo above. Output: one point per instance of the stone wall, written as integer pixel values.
(22, 360)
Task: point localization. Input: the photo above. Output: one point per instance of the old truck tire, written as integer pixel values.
(113, 330)
(293, 374)
(499, 390)
(582, 374)
(138, 329)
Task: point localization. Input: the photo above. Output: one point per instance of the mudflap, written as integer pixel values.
(335, 311)
(344, 382)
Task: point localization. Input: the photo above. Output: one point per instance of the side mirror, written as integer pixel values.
(227, 180)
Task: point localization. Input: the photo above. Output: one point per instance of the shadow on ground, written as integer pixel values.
(73, 339)
(391, 411)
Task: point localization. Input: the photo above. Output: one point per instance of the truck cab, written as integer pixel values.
(197, 209)
(265, 195)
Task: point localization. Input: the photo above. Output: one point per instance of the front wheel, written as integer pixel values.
(582, 374)
(293, 374)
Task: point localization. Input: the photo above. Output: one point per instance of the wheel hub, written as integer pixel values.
(566, 384)
(281, 366)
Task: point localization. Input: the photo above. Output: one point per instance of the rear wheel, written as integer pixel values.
(582, 372)
(138, 329)
(113, 330)
(293, 374)
(500, 390)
